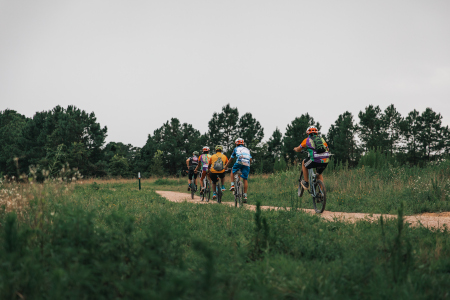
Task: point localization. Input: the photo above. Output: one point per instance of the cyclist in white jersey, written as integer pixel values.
(243, 160)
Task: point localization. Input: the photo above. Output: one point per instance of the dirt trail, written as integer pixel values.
(435, 220)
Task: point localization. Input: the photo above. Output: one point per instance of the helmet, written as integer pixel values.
(206, 148)
(195, 152)
(239, 141)
(312, 129)
(219, 147)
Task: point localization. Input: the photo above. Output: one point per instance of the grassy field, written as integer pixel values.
(108, 240)
(358, 190)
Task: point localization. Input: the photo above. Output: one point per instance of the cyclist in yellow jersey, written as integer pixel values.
(203, 165)
(216, 166)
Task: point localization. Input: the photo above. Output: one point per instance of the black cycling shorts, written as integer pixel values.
(320, 167)
(192, 173)
(215, 176)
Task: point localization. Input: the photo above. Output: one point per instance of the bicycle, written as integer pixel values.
(238, 189)
(207, 191)
(192, 186)
(219, 192)
(316, 190)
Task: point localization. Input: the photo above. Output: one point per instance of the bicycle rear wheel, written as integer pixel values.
(240, 193)
(208, 191)
(192, 190)
(320, 200)
(300, 187)
(219, 195)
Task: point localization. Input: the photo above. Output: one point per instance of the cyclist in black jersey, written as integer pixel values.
(192, 163)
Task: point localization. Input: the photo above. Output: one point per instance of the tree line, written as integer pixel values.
(62, 140)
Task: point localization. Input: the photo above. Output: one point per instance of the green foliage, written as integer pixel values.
(118, 166)
(376, 159)
(157, 167)
(295, 134)
(119, 242)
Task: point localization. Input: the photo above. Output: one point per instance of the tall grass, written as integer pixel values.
(364, 189)
(110, 240)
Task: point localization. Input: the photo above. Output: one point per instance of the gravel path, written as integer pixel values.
(435, 220)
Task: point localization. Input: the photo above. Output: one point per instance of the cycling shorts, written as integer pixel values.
(320, 167)
(192, 174)
(215, 176)
(244, 170)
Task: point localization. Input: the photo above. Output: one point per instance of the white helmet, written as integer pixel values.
(239, 141)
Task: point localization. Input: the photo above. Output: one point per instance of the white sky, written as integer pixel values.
(137, 64)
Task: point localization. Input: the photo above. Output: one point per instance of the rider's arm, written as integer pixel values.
(187, 162)
(301, 146)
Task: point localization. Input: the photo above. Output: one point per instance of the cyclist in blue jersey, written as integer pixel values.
(243, 160)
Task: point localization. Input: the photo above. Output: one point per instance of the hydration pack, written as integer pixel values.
(218, 165)
(318, 144)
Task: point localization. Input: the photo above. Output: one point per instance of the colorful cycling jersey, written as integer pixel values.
(308, 144)
(242, 154)
(204, 159)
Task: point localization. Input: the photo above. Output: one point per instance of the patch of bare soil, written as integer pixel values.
(434, 220)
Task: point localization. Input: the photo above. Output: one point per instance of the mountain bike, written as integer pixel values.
(238, 189)
(219, 192)
(207, 191)
(192, 186)
(316, 190)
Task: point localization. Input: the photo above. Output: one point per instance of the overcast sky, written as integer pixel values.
(137, 64)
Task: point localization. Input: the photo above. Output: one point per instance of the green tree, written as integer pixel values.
(370, 128)
(77, 130)
(250, 130)
(157, 165)
(11, 134)
(223, 128)
(390, 126)
(118, 166)
(341, 139)
(176, 141)
(295, 134)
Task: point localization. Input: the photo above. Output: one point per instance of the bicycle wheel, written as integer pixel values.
(300, 187)
(192, 190)
(219, 195)
(204, 192)
(236, 193)
(239, 193)
(320, 200)
(208, 191)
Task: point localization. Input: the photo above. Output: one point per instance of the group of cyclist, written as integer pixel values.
(215, 165)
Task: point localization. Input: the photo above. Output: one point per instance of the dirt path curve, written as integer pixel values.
(435, 220)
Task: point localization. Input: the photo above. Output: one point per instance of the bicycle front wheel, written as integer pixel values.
(320, 199)
(300, 188)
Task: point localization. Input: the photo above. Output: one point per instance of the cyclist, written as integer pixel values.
(203, 164)
(318, 154)
(216, 167)
(192, 163)
(243, 160)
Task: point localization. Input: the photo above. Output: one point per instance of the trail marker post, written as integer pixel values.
(139, 176)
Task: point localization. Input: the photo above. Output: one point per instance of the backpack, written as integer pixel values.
(218, 165)
(318, 144)
(193, 162)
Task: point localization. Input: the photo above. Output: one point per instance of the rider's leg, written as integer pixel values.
(320, 177)
(201, 179)
(305, 172)
(245, 186)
